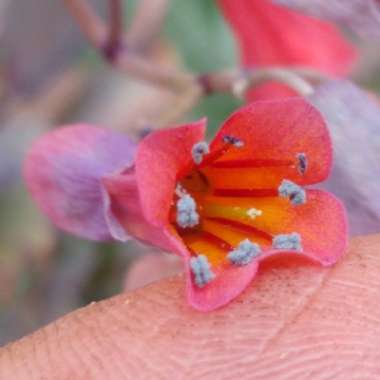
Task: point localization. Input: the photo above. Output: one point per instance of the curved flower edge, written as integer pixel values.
(63, 171)
(231, 281)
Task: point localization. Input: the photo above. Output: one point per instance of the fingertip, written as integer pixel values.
(271, 331)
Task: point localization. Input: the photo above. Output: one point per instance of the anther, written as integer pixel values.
(302, 163)
(187, 215)
(294, 192)
(287, 241)
(199, 150)
(244, 253)
(236, 142)
(202, 270)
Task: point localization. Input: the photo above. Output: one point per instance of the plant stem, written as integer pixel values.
(113, 43)
(238, 82)
(190, 88)
(89, 22)
(146, 23)
(115, 50)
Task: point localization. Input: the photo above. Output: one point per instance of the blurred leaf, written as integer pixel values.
(205, 43)
(216, 108)
(201, 35)
(354, 122)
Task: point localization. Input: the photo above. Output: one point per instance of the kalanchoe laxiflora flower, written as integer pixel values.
(224, 206)
(272, 35)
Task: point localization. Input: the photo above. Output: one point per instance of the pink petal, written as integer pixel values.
(160, 158)
(281, 129)
(125, 207)
(361, 16)
(63, 171)
(273, 35)
(228, 283)
(354, 119)
(322, 225)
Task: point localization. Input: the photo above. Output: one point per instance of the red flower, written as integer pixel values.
(224, 207)
(272, 35)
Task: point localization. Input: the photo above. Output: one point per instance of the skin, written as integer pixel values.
(296, 321)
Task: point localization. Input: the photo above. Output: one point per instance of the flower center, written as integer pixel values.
(222, 212)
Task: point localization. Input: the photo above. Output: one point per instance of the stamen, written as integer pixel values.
(259, 163)
(244, 253)
(202, 270)
(288, 241)
(208, 237)
(199, 150)
(213, 239)
(245, 228)
(187, 215)
(214, 155)
(245, 193)
(294, 192)
(254, 212)
(233, 141)
(302, 163)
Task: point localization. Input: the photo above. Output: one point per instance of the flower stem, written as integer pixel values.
(146, 23)
(113, 43)
(238, 82)
(125, 55)
(89, 22)
(114, 48)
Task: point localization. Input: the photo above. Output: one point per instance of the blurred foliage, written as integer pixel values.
(205, 43)
(200, 35)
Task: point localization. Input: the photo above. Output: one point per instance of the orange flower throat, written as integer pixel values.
(221, 202)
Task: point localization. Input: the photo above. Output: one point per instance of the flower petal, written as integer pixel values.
(63, 171)
(275, 130)
(361, 16)
(228, 283)
(160, 158)
(270, 34)
(322, 224)
(353, 119)
(125, 206)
